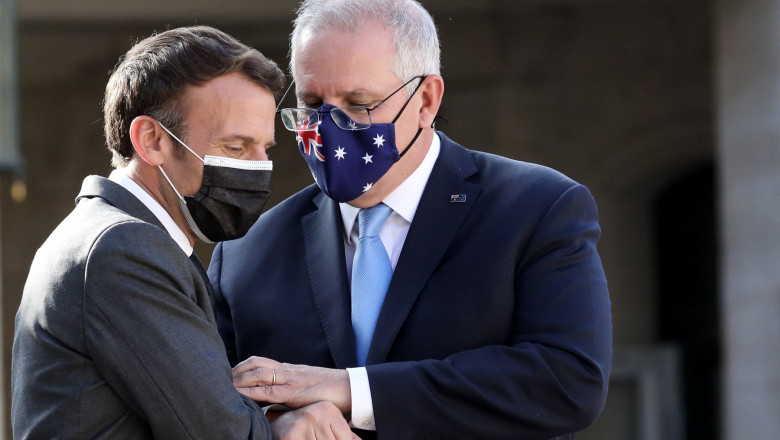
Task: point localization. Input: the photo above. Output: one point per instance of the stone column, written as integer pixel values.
(747, 43)
(10, 159)
(9, 156)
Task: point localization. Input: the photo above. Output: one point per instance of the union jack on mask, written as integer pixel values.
(346, 163)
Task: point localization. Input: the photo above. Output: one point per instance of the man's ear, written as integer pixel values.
(146, 136)
(431, 92)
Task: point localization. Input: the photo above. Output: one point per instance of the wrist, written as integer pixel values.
(344, 393)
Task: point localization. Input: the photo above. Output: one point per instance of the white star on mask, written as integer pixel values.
(340, 153)
(368, 158)
(379, 140)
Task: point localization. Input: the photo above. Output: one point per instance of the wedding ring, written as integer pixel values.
(273, 377)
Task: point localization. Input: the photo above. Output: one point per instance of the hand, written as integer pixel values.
(320, 421)
(265, 380)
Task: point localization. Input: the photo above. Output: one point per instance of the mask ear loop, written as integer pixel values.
(170, 183)
(185, 211)
(182, 201)
(422, 78)
(419, 130)
(408, 147)
(436, 118)
(180, 141)
(160, 166)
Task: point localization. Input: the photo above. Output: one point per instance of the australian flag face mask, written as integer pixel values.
(346, 163)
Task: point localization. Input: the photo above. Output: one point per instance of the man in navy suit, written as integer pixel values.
(496, 320)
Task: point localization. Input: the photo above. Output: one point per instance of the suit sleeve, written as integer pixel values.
(551, 376)
(155, 345)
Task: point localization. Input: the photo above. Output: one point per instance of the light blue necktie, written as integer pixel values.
(371, 273)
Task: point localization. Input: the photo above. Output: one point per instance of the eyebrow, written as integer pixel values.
(245, 139)
(362, 93)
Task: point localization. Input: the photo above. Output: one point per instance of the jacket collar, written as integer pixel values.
(115, 195)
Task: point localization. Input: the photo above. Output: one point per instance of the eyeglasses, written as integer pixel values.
(356, 117)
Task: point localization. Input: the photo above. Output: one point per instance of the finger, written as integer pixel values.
(338, 428)
(268, 394)
(341, 431)
(329, 423)
(253, 363)
(258, 394)
(289, 427)
(256, 377)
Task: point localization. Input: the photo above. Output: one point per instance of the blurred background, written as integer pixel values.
(666, 109)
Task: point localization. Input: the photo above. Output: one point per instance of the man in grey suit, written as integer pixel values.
(115, 335)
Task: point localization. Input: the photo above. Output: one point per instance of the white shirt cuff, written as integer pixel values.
(362, 405)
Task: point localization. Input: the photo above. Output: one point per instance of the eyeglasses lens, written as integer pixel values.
(351, 118)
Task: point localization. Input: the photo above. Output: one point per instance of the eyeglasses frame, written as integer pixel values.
(367, 109)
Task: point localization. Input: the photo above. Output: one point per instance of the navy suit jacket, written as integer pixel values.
(497, 321)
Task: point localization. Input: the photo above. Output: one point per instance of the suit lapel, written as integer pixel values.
(322, 236)
(436, 212)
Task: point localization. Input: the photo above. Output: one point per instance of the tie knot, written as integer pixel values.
(370, 220)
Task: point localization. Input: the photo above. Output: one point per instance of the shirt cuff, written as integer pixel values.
(362, 405)
(276, 407)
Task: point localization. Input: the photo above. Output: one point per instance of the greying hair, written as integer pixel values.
(414, 33)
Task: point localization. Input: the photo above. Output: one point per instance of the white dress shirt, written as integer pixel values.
(167, 221)
(403, 201)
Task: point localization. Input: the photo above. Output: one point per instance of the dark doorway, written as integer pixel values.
(686, 221)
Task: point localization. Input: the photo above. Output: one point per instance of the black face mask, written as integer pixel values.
(231, 197)
(229, 201)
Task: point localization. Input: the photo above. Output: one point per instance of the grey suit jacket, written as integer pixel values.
(115, 337)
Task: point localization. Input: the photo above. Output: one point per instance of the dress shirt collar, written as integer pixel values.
(405, 198)
(167, 221)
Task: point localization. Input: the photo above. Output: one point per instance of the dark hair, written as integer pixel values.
(150, 78)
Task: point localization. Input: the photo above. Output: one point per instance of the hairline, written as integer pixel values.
(397, 18)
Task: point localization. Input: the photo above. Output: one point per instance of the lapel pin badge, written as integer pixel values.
(458, 198)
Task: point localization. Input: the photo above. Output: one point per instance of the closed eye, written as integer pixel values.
(234, 149)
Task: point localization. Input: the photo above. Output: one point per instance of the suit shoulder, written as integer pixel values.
(94, 222)
(493, 170)
(98, 215)
(510, 181)
(489, 163)
(93, 231)
(517, 180)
